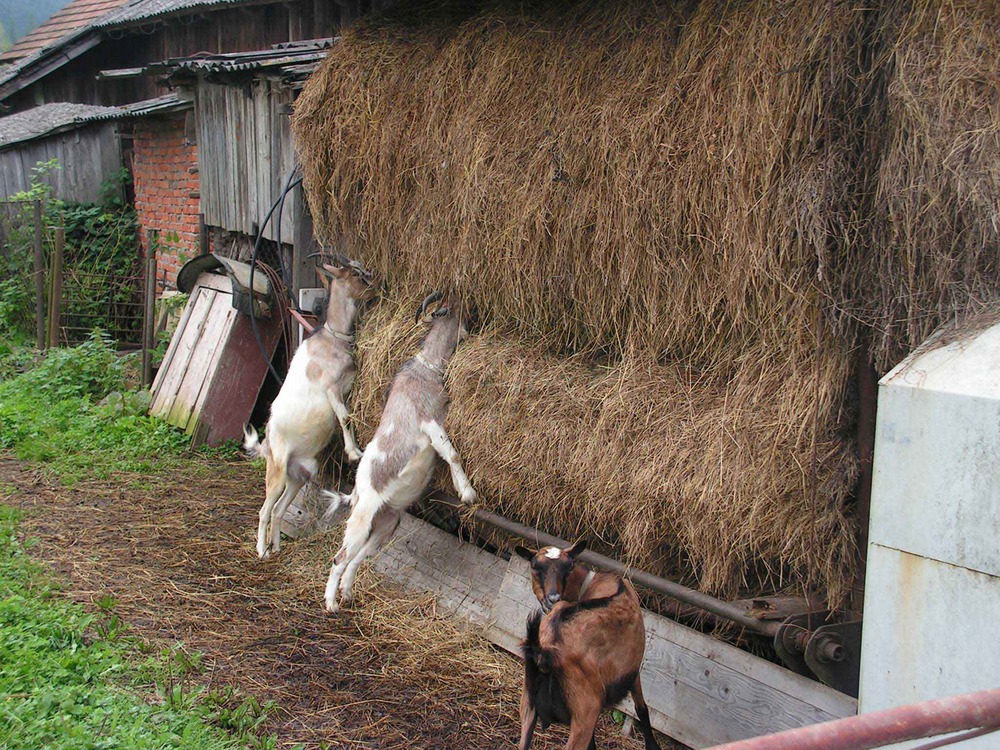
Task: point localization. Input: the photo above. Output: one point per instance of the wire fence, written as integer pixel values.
(61, 288)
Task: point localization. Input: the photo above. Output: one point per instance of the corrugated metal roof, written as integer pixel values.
(134, 11)
(137, 11)
(297, 57)
(76, 15)
(52, 118)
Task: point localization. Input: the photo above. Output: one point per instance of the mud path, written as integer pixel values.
(176, 554)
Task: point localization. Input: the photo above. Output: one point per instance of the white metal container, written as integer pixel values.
(932, 598)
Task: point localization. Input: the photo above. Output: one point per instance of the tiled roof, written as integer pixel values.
(76, 15)
(141, 10)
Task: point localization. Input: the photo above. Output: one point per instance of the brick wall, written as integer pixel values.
(166, 191)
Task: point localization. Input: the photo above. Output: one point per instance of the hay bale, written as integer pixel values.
(935, 249)
(545, 163)
(675, 475)
(638, 197)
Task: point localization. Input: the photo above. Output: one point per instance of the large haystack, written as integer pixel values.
(656, 209)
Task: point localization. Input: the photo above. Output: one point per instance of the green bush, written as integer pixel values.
(101, 258)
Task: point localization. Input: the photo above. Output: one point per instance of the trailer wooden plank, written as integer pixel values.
(463, 577)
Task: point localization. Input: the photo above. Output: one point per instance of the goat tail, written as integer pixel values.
(542, 658)
(252, 444)
(337, 499)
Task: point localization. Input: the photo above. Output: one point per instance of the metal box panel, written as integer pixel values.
(930, 631)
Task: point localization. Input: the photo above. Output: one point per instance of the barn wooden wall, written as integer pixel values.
(87, 157)
(244, 155)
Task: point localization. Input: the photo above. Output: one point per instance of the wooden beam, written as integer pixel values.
(303, 243)
(55, 287)
(700, 690)
(39, 279)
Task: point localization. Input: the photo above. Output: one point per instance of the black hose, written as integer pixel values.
(253, 267)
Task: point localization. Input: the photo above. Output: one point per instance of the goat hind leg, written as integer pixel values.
(529, 717)
(292, 487)
(582, 726)
(356, 534)
(384, 526)
(274, 487)
(642, 715)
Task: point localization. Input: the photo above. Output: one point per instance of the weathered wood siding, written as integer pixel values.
(87, 157)
(212, 29)
(700, 690)
(244, 156)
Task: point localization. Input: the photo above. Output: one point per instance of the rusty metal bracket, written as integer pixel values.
(811, 646)
(834, 655)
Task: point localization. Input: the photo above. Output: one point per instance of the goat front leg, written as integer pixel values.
(343, 415)
(443, 445)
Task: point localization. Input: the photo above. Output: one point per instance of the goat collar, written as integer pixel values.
(338, 335)
(586, 584)
(429, 365)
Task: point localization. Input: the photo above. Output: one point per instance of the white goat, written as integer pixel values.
(397, 465)
(312, 400)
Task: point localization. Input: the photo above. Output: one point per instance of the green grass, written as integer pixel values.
(73, 411)
(72, 681)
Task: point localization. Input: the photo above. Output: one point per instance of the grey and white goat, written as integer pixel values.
(312, 400)
(397, 464)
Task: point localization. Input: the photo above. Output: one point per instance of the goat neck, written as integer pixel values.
(341, 309)
(440, 343)
(579, 583)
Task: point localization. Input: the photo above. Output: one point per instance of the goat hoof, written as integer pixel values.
(332, 607)
(470, 496)
(263, 552)
(353, 456)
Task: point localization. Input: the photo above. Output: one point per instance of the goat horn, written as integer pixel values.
(431, 299)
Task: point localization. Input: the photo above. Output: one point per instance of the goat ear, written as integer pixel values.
(323, 279)
(524, 552)
(576, 549)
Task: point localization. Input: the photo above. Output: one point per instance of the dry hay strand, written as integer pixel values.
(675, 475)
(624, 176)
(413, 642)
(936, 218)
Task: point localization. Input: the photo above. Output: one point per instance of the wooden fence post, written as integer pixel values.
(55, 290)
(149, 313)
(39, 280)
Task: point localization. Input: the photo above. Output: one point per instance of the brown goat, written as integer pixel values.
(584, 653)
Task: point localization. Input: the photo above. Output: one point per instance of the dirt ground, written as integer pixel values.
(176, 553)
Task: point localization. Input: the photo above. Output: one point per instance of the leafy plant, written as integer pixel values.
(75, 410)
